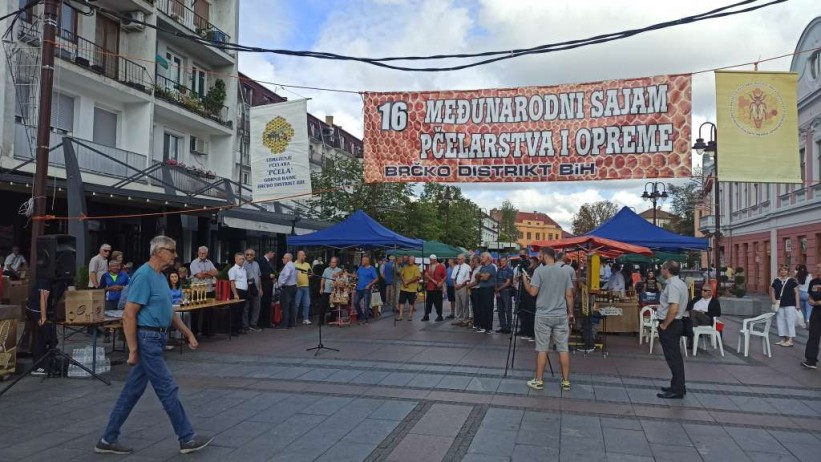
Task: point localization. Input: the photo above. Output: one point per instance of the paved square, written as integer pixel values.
(431, 392)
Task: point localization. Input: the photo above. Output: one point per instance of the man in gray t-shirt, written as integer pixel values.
(673, 303)
(553, 288)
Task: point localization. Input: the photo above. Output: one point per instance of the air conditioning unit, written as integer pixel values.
(132, 21)
(199, 146)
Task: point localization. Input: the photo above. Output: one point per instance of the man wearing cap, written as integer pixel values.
(435, 277)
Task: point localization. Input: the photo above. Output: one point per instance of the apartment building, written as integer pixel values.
(536, 226)
(764, 225)
(151, 117)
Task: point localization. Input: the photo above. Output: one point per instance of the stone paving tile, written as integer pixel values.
(393, 410)
(425, 380)
(790, 407)
(708, 401)
(581, 448)
(416, 448)
(442, 420)
(766, 457)
(527, 453)
(581, 426)
(750, 404)
(502, 419)
(370, 377)
(794, 437)
(346, 451)
(611, 393)
(483, 384)
(718, 448)
(240, 433)
(344, 376)
(493, 442)
(370, 431)
(397, 379)
(621, 441)
(485, 458)
(665, 433)
(626, 424)
(674, 453)
(804, 452)
(327, 405)
(454, 382)
(318, 374)
(756, 440)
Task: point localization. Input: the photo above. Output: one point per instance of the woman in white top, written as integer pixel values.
(803, 277)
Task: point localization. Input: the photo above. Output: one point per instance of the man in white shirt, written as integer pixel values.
(239, 287)
(98, 266)
(14, 262)
(461, 277)
(203, 270)
(616, 282)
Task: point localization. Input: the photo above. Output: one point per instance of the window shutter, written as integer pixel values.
(105, 127)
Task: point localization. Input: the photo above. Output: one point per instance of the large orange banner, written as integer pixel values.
(617, 129)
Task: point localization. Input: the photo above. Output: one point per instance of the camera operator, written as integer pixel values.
(553, 288)
(40, 312)
(525, 303)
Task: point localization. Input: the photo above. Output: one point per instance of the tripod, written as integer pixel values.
(511, 346)
(320, 346)
(52, 354)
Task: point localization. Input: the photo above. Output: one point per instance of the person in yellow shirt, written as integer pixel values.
(410, 275)
(303, 291)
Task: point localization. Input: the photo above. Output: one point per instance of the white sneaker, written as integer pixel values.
(306, 322)
(480, 331)
(38, 372)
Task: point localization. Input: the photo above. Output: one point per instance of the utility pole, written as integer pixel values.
(43, 127)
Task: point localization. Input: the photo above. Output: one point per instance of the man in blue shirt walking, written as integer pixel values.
(147, 319)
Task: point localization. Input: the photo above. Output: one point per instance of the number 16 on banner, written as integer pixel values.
(394, 115)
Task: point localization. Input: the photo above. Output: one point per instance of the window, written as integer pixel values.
(198, 81)
(521, 235)
(171, 146)
(815, 64)
(105, 127)
(246, 178)
(247, 94)
(538, 236)
(67, 23)
(803, 161)
(62, 113)
(174, 70)
(528, 235)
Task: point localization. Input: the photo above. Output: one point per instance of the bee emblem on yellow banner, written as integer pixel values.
(277, 135)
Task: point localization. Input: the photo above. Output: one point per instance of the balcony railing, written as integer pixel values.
(178, 11)
(178, 94)
(92, 157)
(89, 55)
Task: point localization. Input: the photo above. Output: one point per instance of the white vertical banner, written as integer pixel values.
(280, 163)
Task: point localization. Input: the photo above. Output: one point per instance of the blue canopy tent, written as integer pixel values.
(358, 230)
(627, 226)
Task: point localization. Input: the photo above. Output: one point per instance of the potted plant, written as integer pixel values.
(215, 98)
(739, 288)
(81, 278)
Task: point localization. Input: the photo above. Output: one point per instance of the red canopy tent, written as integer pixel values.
(605, 247)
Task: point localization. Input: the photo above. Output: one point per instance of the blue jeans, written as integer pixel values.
(150, 368)
(364, 313)
(804, 305)
(303, 299)
(505, 308)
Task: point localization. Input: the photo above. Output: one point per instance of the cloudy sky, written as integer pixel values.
(372, 28)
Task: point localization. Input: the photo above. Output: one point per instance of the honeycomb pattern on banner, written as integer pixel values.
(387, 147)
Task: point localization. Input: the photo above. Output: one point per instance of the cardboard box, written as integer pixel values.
(84, 306)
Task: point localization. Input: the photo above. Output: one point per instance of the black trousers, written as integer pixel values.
(670, 340)
(811, 353)
(265, 303)
(43, 338)
(433, 299)
(237, 310)
(287, 299)
(324, 306)
(485, 313)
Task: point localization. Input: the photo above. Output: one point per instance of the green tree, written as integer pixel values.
(507, 223)
(684, 199)
(339, 190)
(590, 216)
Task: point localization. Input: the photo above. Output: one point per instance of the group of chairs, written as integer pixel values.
(758, 326)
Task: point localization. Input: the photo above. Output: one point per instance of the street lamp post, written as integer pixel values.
(701, 148)
(654, 194)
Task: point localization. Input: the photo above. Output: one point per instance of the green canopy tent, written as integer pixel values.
(657, 257)
(440, 249)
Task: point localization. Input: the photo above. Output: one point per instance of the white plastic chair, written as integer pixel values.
(647, 324)
(712, 332)
(748, 330)
(655, 333)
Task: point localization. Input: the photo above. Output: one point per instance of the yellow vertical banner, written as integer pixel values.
(757, 120)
